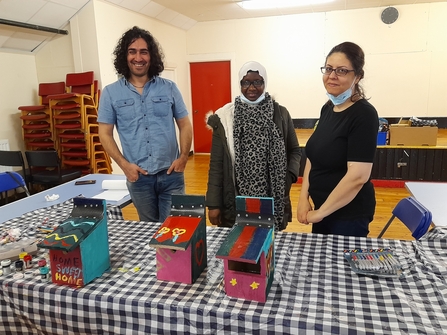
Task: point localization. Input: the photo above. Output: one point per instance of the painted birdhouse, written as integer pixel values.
(248, 251)
(180, 242)
(79, 247)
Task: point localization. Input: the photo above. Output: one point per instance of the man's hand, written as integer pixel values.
(178, 165)
(132, 172)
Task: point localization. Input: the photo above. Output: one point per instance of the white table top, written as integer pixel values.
(433, 195)
(65, 191)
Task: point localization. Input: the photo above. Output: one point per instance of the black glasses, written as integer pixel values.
(247, 83)
(339, 71)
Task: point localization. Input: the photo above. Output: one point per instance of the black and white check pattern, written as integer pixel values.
(314, 292)
(51, 216)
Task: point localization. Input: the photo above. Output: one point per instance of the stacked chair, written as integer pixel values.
(37, 120)
(74, 126)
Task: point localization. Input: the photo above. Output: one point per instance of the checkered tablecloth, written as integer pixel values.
(314, 292)
(52, 215)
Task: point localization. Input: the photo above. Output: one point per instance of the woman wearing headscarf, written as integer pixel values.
(254, 151)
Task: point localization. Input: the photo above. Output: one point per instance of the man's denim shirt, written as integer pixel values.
(145, 123)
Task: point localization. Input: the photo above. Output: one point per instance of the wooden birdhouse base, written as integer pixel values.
(177, 265)
(246, 283)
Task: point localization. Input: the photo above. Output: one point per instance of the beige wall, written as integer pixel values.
(405, 62)
(55, 59)
(113, 21)
(84, 39)
(93, 34)
(18, 87)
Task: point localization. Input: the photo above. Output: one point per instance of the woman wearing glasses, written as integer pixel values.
(254, 151)
(341, 150)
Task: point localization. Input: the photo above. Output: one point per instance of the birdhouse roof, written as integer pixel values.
(175, 233)
(86, 216)
(246, 243)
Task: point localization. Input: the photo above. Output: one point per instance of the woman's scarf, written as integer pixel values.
(260, 155)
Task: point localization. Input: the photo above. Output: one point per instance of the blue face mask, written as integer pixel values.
(258, 100)
(341, 98)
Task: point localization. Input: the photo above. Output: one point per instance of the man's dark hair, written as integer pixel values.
(156, 62)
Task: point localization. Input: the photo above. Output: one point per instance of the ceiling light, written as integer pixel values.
(269, 4)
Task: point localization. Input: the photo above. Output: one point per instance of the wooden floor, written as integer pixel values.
(196, 177)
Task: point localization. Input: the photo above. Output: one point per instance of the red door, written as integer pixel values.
(210, 90)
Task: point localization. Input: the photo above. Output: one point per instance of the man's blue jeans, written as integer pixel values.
(151, 194)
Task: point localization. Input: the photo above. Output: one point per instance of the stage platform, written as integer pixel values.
(393, 165)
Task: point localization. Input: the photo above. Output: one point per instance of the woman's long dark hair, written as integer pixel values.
(156, 62)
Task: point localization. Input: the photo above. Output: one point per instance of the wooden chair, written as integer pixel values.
(81, 92)
(413, 214)
(45, 168)
(73, 113)
(45, 90)
(37, 120)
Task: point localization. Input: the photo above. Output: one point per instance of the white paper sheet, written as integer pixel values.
(113, 190)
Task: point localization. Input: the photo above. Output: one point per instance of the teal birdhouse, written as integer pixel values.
(79, 247)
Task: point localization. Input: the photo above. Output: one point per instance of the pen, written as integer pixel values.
(393, 261)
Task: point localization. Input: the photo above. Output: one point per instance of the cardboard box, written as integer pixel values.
(403, 134)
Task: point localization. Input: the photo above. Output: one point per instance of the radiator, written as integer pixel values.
(4, 145)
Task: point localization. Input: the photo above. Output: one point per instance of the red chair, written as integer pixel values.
(81, 91)
(37, 120)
